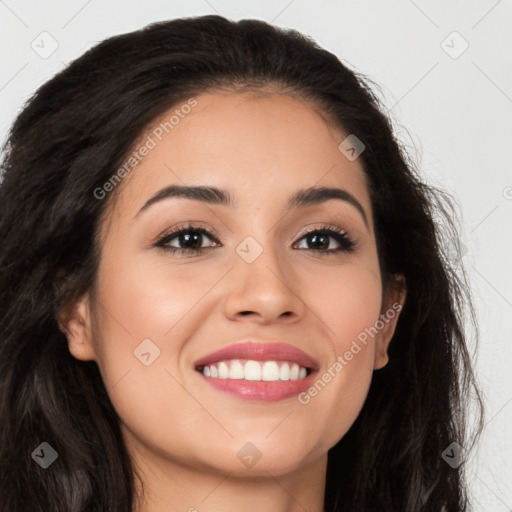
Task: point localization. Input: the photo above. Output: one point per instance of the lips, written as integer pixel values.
(257, 350)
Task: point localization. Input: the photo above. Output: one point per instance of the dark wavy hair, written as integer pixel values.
(70, 137)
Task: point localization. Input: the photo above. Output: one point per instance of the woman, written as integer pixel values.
(223, 288)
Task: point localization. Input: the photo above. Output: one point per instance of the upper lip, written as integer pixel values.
(258, 350)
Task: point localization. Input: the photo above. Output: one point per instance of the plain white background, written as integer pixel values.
(445, 70)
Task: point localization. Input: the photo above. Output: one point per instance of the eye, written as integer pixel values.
(189, 237)
(319, 238)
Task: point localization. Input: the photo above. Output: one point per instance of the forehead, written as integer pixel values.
(261, 148)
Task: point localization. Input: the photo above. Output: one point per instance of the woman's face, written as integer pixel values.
(154, 314)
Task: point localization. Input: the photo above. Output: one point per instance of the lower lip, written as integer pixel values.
(263, 391)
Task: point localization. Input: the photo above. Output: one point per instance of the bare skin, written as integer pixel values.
(183, 435)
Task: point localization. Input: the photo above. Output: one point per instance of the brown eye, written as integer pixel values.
(189, 240)
(319, 240)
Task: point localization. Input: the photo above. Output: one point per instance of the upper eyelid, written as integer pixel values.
(176, 231)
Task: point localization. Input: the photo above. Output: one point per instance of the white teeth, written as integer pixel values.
(270, 371)
(294, 372)
(236, 371)
(223, 370)
(284, 372)
(252, 370)
(267, 371)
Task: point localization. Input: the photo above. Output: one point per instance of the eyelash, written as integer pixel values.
(345, 241)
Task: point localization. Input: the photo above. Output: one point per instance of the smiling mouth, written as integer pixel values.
(253, 370)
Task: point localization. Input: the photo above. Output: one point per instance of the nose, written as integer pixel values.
(264, 291)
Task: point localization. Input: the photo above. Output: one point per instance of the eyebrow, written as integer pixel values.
(213, 195)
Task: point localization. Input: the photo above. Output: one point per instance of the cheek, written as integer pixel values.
(349, 307)
(139, 321)
(347, 300)
(148, 298)
(144, 317)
